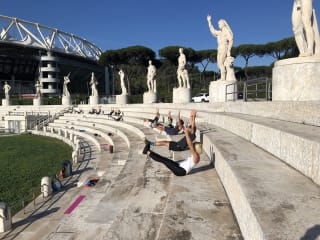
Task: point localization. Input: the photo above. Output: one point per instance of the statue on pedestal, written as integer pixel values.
(65, 91)
(182, 72)
(305, 28)
(6, 89)
(123, 86)
(151, 82)
(224, 37)
(38, 89)
(93, 83)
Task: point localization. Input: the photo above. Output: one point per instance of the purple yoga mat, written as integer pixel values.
(74, 204)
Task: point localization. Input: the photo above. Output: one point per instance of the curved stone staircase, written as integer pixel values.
(264, 183)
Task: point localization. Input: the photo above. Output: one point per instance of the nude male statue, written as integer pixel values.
(182, 72)
(123, 86)
(38, 89)
(305, 27)
(150, 77)
(224, 37)
(93, 84)
(6, 89)
(65, 91)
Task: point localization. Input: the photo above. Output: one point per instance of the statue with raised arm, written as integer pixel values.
(224, 37)
(150, 77)
(6, 89)
(65, 91)
(305, 28)
(123, 86)
(182, 72)
(38, 89)
(93, 83)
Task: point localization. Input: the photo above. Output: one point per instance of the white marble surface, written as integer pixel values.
(66, 101)
(296, 79)
(5, 102)
(37, 101)
(181, 95)
(122, 99)
(217, 91)
(94, 100)
(149, 97)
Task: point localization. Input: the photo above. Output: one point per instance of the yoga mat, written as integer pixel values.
(74, 204)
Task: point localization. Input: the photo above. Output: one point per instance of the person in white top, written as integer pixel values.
(178, 168)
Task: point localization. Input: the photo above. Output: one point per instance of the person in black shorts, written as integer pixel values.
(182, 144)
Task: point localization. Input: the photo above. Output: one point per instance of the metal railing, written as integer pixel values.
(44, 119)
(258, 89)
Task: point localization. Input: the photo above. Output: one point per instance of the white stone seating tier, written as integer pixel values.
(270, 198)
(76, 132)
(54, 135)
(296, 144)
(299, 112)
(99, 170)
(103, 119)
(92, 127)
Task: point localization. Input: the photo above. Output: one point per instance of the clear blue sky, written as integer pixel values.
(157, 24)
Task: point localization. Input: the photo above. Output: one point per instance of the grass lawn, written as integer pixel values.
(24, 160)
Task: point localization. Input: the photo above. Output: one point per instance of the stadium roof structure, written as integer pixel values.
(33, 35)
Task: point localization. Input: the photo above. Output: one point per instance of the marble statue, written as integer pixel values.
(93, 83)
(75, 156)
(224, 37)
(228, 63)
(150, 77)
(123, 86)
(38, 89)
(182, 72)
(305, 28)
(6, 88)
(65, 91)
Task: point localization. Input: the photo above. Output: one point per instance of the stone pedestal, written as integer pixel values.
(93, 100)
(5, 217)
(222, 91)
(66, 101)
(181, 95)
(6, 102)
(37, 101)
(122, 99)
(149, 97)
(296, 79)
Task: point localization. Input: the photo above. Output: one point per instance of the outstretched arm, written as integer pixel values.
(179, 121)
(212, 29)
(193, 115)
(195, 155)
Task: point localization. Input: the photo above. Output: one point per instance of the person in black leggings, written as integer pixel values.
(178, 168)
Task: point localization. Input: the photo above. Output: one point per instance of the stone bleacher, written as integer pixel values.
(266, 175)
